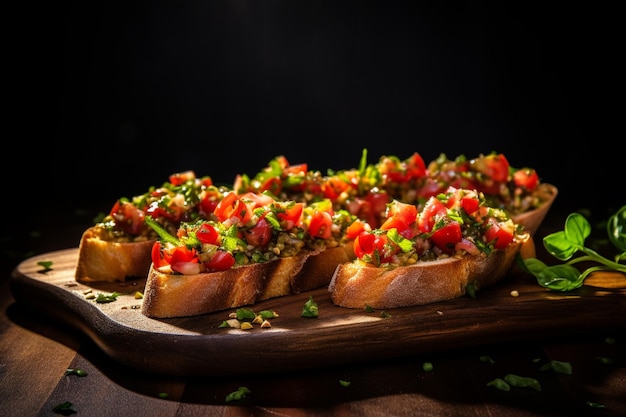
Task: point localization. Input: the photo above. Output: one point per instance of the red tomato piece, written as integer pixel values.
(260, 234)
(207, 234)
(432, 210)
(447, 236)
(182, 177)
(220, 261)
(497, 234)
(320, 224)
(128, 217)
(526, 178)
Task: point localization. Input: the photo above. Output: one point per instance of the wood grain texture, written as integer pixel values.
(196, 346)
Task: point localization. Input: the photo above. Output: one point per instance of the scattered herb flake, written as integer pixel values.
(66, 408)
(427, 366)
(77, 372)
(385, 315)
(595, 405)
(310, 309)
(163, 395)
(240, 394)
(344, 383)
(522, 382)
(46, 265)
(558, 367)
(369, 309)
(103, 298)
(605, 360)
(500, 384)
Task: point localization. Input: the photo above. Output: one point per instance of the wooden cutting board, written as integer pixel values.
(197, 346)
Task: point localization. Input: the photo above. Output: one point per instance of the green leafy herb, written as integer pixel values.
(310, 309)
(427, 367)
(240, 394)
(77, 372)
(564, 244)
(103, 298)
(66, 408)
(558, 367)
(500, 384)
(595, 405)
(46, 265)
(522, 381)
(344, 383)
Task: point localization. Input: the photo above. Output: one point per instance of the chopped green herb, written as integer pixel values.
(427, 366)
(471, 289)
(77, 372)
(46, 265)
(163, 395)
(500, 384)
(522, 382)
(595, 405)
(103, 298)
(385, 315)
(310, 309)
(369, 309)
(344, 383)
(558, 367)
(66, 409)
(244, 314)
(605, 360)
(240, 394)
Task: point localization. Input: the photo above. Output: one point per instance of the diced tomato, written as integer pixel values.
(356, 228)
(158, 258)
(433, 209)
(260, 234)
(447, 236)
(182, 177)
(298, 169)
(406, 212)
(494, 166)
(461, 198)
(209, 201)
(231, 207)
(320, 224)
(498, 234)
(220, 261)
(185, 260)
(377, 247)
(333, 187)
(207, 234)
(272, 184)
(415, 166)
(173, 212)
(290, 215)
(526, 178)
(128, 217)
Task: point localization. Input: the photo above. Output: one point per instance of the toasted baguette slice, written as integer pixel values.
(167, 295)
(109, 261)
(357, 285)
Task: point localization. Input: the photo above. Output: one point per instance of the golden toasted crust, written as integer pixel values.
(101, 260)
(357, 285)
(168, 295)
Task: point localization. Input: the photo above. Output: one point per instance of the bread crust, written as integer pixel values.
(102, 260)
(357, 285)
(167, 295)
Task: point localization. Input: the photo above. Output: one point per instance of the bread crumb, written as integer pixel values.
(514, 293)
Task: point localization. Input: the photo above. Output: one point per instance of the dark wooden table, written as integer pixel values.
(36, 350)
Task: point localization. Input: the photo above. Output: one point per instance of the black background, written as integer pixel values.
(119, 96)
